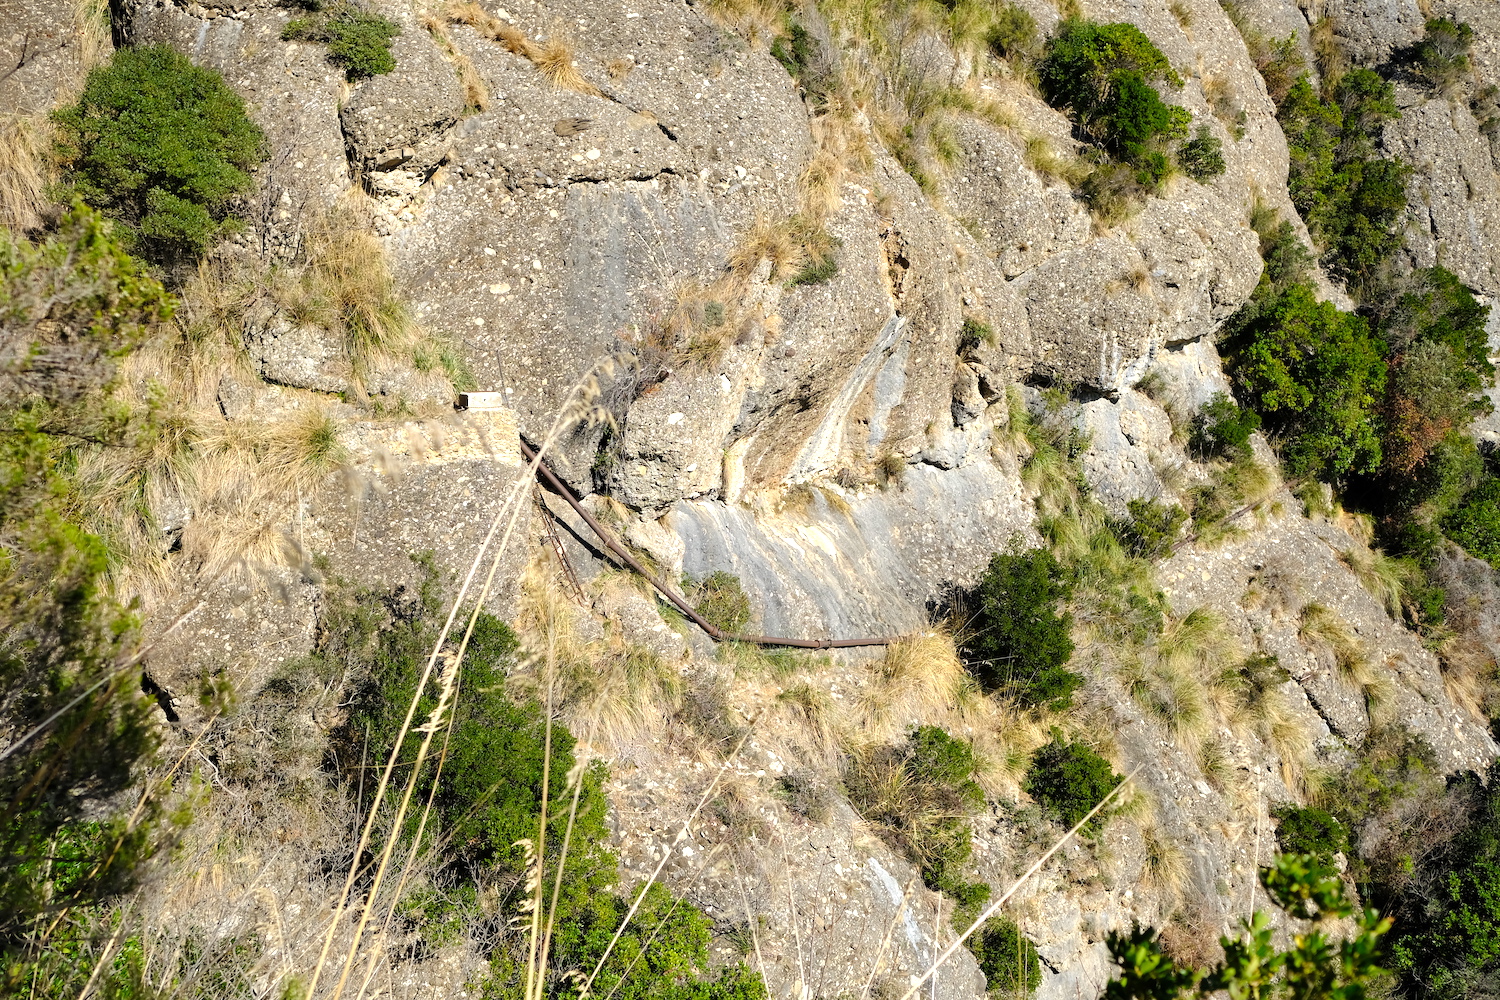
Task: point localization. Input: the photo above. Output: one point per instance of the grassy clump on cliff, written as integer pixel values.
(358, 41)
(163, 146)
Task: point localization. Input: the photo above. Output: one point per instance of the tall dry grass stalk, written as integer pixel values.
(24, 170)
(580, 407)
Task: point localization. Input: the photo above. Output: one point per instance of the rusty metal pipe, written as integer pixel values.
(625, 556)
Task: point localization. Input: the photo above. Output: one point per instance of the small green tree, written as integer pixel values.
(1351, 199)
(163, 146)
(1442, 55)
(1202, 157)
(1017, 642)
(1070, 779)
(1223, 427)
(1475, 524)
(1315, 375)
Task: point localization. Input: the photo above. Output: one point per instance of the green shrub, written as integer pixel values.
(163, 146)
(822, 265)
(1351, 199)
(1202, 157)
(1309, 831)
(794, 48)
(1475, 524)
(974, 333)
(69, 306)
(1013, 35)
(490, 800)
(1017, 642)
(920, 794)
(1007, 958)
(1103, 74)
(1442, 55)
(1223, 427)
(721, 601)
(1151, 528)
(1069, 779)
(1315, 375)
(358, 41)
(1253, 966)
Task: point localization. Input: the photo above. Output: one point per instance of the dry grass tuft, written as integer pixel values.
(1385, 578)
(476, 94)
(920, 678)
(24, 140)
(769, 240)
(1051, 165)
(346, 287)
(1320, 624)
(555, 61)
(1165, 868)
(841, 146)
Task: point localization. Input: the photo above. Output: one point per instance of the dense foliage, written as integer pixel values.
(357, 40)
(1350, 197)
(162, 146)
(1314, 967)
(68, 306)
(1007, 958)
(497, 774)
(1104, 74)
(1069, 779)
(920, 794)
(1309, 830)
(1315, 375)
(1016, 641)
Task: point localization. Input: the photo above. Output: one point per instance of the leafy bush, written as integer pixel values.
(1103, 74)
(721, 601)
(1351, 199)
(490, 800)
(1442, 55)
(358, 41)
(1475, 524)
(1017, 641)
(974, 333)
(1202, 157)
(1070, 779)
(1013, 34)
(163, 146)
(1223, 427)
(1007, 958)
(1151, 528)
(1309, 831)
(1252, 966)
(1314, 374)
(920, 794)
(68, 307)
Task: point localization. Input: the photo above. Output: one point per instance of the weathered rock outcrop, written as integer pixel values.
(560, 235)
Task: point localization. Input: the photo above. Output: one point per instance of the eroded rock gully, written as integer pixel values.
(547, 249)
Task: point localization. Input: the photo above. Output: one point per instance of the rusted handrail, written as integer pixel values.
(625, 556)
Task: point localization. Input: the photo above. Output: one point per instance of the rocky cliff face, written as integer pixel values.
(840, 446)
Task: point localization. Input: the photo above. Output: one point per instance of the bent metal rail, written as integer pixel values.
(625, 556)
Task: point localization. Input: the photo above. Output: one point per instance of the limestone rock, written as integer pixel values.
(404, 118)
(304, 357)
